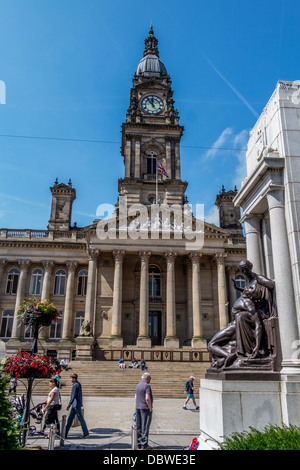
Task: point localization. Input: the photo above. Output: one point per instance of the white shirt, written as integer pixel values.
(55, 400)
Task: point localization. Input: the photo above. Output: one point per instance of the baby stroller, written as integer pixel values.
(35, 412)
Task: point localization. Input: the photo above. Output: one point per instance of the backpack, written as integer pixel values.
(186, 387)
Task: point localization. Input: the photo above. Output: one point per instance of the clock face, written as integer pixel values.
(152, 104)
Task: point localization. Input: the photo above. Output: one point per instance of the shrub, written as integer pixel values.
(9, 431)
(271, 438)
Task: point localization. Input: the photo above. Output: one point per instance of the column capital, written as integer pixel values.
(253, 220)
(275, 196)
(2, 263)
(93, 254)
(145, 255)
(71, 266)
(48, 264)
(170, 256)
(119, 255)
(24, 264)
(195, 257)
(220, 258)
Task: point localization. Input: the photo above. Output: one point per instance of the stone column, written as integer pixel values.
(137, 163)
(91, 286)
(189, 300)
(231, 272)
(127, 157)
(285, 296)
(116, 339)
(45, 294)
(68, 316)
(48, 266)
(177, 161)
(222, 294)
(168, 159)
(2, 265)
(171, 340)
(143, 338)
(24, 266)
(253, 239)
(197, 340)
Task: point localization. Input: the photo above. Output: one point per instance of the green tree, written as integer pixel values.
(9, 432)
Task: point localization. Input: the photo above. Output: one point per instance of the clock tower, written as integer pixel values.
(151, 135)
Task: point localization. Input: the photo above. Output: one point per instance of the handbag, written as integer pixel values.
(76, 421)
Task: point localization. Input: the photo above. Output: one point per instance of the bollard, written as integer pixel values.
(63, 430)
(133, 437)
(51, 437)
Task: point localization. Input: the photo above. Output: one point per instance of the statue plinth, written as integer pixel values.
(84, 348)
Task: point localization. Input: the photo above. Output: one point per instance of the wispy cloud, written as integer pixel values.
(238, 94)
(23, 201)
(218, 144)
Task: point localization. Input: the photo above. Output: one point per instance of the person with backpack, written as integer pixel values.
(189, 388)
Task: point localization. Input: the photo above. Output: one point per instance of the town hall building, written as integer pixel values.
(135, 282)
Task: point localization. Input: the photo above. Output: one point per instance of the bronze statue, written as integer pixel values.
(246, 340)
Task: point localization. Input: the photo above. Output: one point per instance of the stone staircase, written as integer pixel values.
(105, 379)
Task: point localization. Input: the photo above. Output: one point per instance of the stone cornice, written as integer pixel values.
(267, 164)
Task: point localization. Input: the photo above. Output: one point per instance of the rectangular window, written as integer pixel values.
(56, 328)
(79, 318)
(6, 323)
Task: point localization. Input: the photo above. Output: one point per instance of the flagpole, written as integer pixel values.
(156, 185)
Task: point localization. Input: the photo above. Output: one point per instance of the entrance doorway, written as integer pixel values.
(155, 328)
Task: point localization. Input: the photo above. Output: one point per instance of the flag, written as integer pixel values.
(162, 170)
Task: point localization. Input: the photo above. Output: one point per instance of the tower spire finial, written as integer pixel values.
(151, 43)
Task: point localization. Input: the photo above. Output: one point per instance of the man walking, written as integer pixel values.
(75, 404)
(143, 407)
(190, 393)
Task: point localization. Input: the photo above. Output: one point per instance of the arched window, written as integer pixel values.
(241, 283)
(151, 163)
(36, 282)
(56, 328)
(12, 281)
(60, 282)
(82, 282)
(154, 281)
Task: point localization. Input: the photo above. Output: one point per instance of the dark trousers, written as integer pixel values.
(143, 421)
(52, 417)
(76, 410)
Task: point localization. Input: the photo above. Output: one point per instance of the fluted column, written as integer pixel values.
(171, 340)
(285, 296)
(254, 242)
(222, 294)
(68, 316)
(196, 301)
(24, 266)
(116, 339)
(143, 338)
(91, 285)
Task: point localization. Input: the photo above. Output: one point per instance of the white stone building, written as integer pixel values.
(270, 199)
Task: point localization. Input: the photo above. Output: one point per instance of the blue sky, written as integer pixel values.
(68, 66)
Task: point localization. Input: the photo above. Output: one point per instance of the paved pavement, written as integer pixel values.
(110, 422)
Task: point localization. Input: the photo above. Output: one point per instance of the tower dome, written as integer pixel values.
(150, 65)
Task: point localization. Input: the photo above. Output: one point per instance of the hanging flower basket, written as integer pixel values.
(26, 365)
(35, 313)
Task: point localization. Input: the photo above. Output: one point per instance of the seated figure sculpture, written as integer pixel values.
(245, 337)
